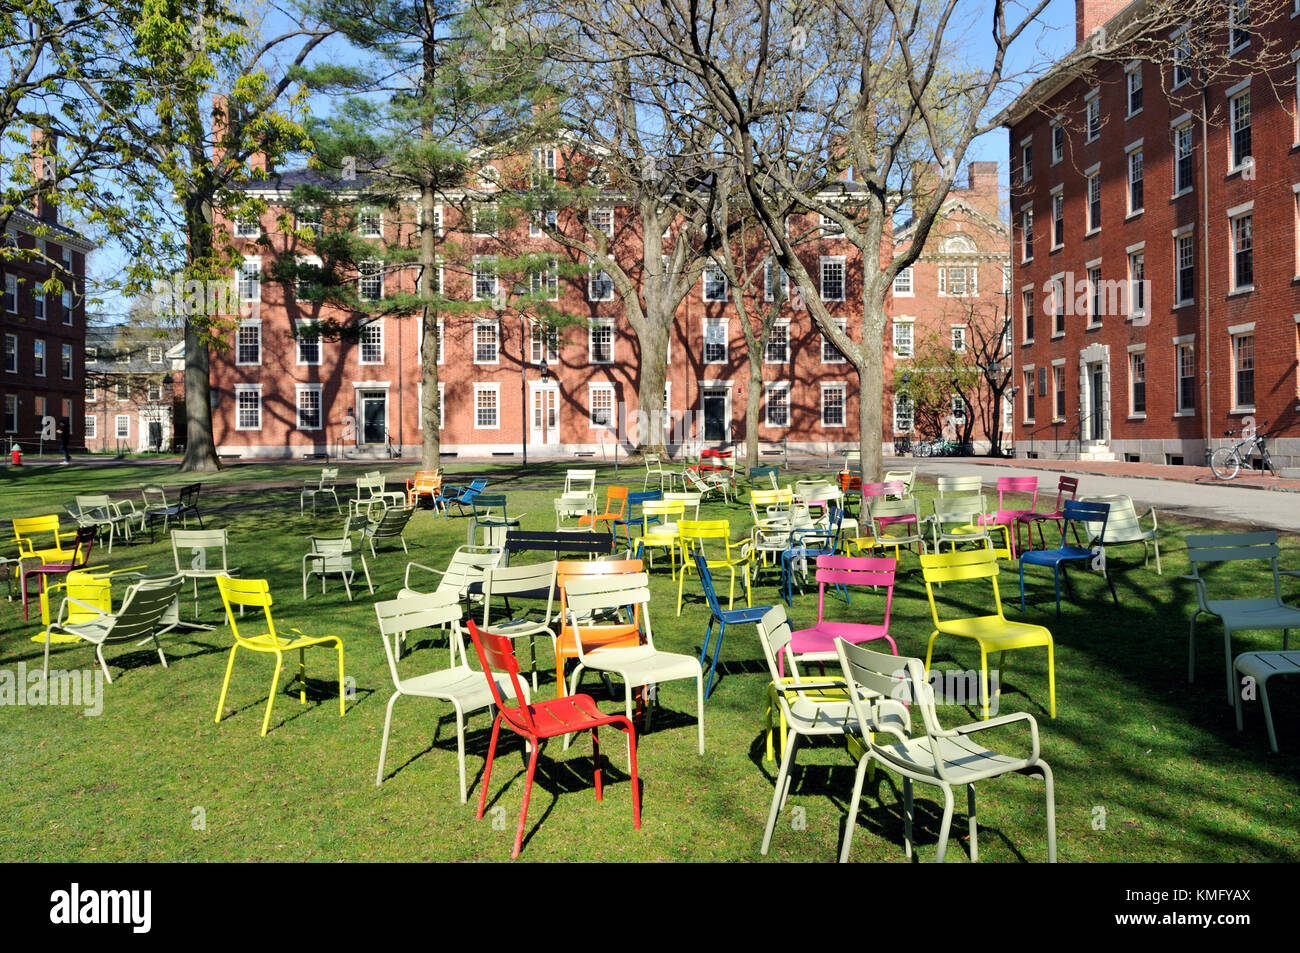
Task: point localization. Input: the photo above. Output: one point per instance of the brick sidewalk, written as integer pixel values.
(1140, 471)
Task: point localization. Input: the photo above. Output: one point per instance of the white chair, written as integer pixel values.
(467, 566)
(334, 556)
(323, 487)
(533, 582)
(466, 689)
(206, 548)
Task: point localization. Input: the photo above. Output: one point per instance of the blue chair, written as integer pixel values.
(723, 617)
(636, 498)
(1074, 511)
(462, 496)
(809, 544)
(482, 505)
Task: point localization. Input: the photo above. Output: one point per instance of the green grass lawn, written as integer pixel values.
(1148, 767)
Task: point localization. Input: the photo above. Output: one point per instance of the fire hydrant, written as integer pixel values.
(16, 455)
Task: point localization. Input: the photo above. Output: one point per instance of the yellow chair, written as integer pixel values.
(661, 535)
(714, 535)
(32, 533)
(257, 594)
(993, 633)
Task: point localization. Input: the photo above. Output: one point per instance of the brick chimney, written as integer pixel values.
(44, 149)
(982, 187)
(1089, 15)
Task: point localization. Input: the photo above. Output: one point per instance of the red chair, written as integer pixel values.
(1011, 518)
(1057, 515)
(85, 542)
(818, 643)
(542, 720)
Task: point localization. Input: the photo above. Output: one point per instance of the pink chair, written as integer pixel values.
(1011, 518)
(894, 488)
(1064, 484)
(818, 643)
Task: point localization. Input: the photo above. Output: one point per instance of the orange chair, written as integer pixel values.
(620, 634)
(424, 483)
(615, 495)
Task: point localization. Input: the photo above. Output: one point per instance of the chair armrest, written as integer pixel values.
(997, 722)
(406, 578)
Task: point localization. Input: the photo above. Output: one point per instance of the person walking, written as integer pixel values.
(63, 439)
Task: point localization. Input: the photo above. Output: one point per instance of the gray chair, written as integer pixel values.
(205, 548)
(139, 617)
(325, 486)
(333, 556)
(390, 525)
(881, 687)
(533, 582)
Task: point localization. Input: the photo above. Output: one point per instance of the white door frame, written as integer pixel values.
(535, 432)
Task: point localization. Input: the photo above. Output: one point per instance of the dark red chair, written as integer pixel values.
(541, 720)
(85, 542)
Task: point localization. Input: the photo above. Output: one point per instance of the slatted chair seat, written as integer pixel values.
(1261, 666)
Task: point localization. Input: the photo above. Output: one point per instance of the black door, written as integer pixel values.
(372, 408)
(715, 418)
(155, 435)
(1096, 428)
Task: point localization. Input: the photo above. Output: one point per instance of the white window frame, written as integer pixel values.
(11, 413)
(844, 404)
(153, 391)
(65, 361)
(548, 280)
(38, 301)
(1183, 134)
(907, 278)
(250, 284)
(1184, 344)
(911, 416)
(122, 426)
(832, 261)
(1137, 353)
(540, 217)
(481, 215)
(783, 326)
(1243, 30)
(1092, 116)
(543, 342)
(1137, 256)
(606, 389)
(1235, 334)
(248, 228)
(958, 338)
(310, 261)
(38, 357)
(1134, 71)
(1182, 51)
(11, 293)
(825, 342)
(601, 220)
(484, 265)
(1058, 154)
(11, 354)
(374, 327)
(715, 274)
(299, 341)
(594, 276)
(240, 391)
(248, 326)
(594, 327)
(1094, 292)
(91, 427)
(1026, 159)
(829, 228)
(495, 390)
(1026, 234)
(1184, 239)
(494, 341)
(908, 349)
(1236, 285)
(1058, 204)
(1135, 153)
(364, 216)
(370, 270)
(767, 281)
(776, 387)
(1235, 105)
(69, 283)
(299, 390)
(705, 344)
(1092, 184)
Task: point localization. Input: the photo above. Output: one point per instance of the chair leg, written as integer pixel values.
(1022, 585)
(383, 741)
(595, 760)
(984, 681)
(852, 821)
(699, 706)
(1051, 678)
(778, 798)
(970, 815)
(270, 701)
(1227, 659)
(1049, 784)
(1056, 584)
(907, 818)
(523, 810)
(487, 769)
(225, 682)
(342, 693)
(99, 654)
(460, 750)
(945, 825)
(1268, 715)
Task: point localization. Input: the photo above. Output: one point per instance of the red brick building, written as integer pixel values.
(955, 297)
(1156, 256)
(42, 374)
(135, 383)
(280, 394)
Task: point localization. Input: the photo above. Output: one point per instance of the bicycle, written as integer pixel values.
(1226, 462)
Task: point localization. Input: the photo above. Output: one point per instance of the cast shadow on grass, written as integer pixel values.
(319, 691)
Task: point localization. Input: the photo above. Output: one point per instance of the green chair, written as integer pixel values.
(494, 527)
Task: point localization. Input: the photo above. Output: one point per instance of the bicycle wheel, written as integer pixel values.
(1225, 463)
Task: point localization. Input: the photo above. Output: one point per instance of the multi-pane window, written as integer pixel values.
(306, 283)
(1058, 220)
(776, 403)
(1094, 118)
(1027, 309)
(903, 281)
(248, 407)
(307, 217)
(1137, 285)
(1135, 200)
(958, 281)
(1182, 58)
(1026, 234)
(1094, 295)
(122, 424)
(38, 355)
(715, 341)
(370, 282)
(1186, 378)
(1137, 366)
(1134, 86)
(309, 416)
(543, 170)
(1185, 262)
(485, 278)
(69, 282)
(486, 407)
(121, 390)
(778, 344)
(1028, 391)
(154, 354)
(92, 427)
(602, 220)
(1058, 142)
(715, 284)
(1094, 201)
(544, 344)
(485, 220)
(11, 294)
(372, 343)
(1058, 306)
(1026, 161)
(539, 218)
(1240, 109)
(1243, 260)
(38, 303)
(903, 338)
(11, 413)
(1243, 365)
(1183, 158)
(1058, 391)
(1238, 21)
(11, 353)
(65, 361)
(308, 345)
(370, 223)
(600, 286)
(830, 353)
(832, 284)
(248, 342)
(546, 282)
(153, 391)
(486, 341)
(959, 338)
(248, 228)
(602, 405)
(833, 405)
(772, 273)
(250, 280)
(600, 342)
(904, 413)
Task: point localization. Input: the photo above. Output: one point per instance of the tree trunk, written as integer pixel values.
(653, 339)
(753, 407)
(430, 405)
(200, 451)
(871, 390)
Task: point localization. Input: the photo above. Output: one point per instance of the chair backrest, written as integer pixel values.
(818, 493)
(960, 566)
(418, 610)
(467, 565)
(26, 527)
(252, 593)
(88, 502)
(392, 523)
(199, 543)
(880, 508)
(706, 580)
(82, 545)
(958, 510)
(667, 510)
(1064, 485)
(1121, 519)
(758, 473)
(653, 464)
(960, 486)
(856, 571)
(587, 597)
(566, 570)
(190, 494)
(774, 636)
(511, 580)
(818, 537)
(616, 501)
(1017, 485)
(580, 481)
(496, 653)
(871, 491)
(881, 688)
(143, 607)
(1090, 513)
(690, 498)
(906, 477)
(369, 484)
(328, 477)
(486, 501)
(1234, 547)
(782, 498)
(700, 532)
(154, 495)
(641, 498)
